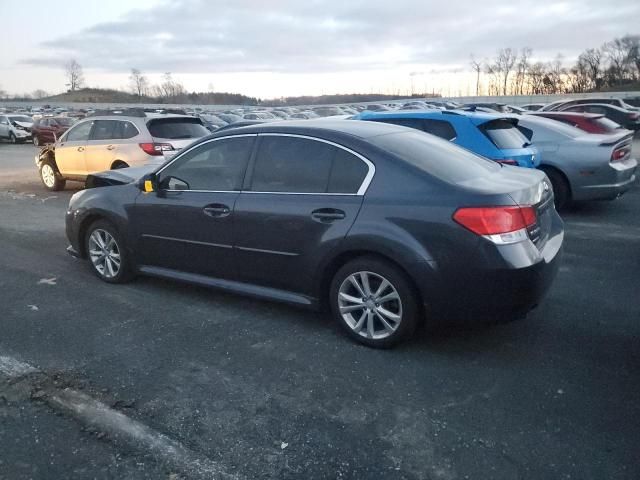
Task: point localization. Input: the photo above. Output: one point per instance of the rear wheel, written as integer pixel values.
(118, 164)
(50, 176)
(374, 302)
(561, 190)
(105, 250)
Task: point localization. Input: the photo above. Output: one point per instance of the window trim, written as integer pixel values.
(361, 190)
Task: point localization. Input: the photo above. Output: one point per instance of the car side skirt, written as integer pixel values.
(232, 286)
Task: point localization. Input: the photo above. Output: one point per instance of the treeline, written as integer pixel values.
(613, 65)
(338, 98)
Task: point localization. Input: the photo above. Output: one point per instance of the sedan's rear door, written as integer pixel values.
(300, 201)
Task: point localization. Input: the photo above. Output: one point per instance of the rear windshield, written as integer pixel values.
(606, 123)
(177, 128)
(437, 157)
(503, 134)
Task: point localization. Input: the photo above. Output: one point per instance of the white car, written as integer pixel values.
(16, 128)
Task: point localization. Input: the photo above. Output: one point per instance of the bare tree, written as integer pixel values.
(2, 93)
(138, 82)
(505, 60)
(592, 58)
(476, 65)
(493, 71)
(521, 70)
(38, 94)
(75, 77)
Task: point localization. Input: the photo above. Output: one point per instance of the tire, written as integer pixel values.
(103, 237)
(50, 176)
(119, 164)
(364, 322)
(12, 138)
(561, 189)
(36, 141)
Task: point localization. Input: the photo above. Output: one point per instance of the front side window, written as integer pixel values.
(302, 165)
(213, 166)
(80, 132)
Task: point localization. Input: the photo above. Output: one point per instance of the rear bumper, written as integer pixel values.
(500, 294)
(621, 181)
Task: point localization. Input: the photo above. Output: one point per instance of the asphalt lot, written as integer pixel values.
(268, 391)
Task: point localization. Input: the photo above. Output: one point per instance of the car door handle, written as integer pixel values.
(81, 149)
(327, 215)
(217, 210)
(111, 147)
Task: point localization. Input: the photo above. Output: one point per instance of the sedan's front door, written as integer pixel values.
(187, 225)
(304, 196)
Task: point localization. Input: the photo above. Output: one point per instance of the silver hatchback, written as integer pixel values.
(115, 140)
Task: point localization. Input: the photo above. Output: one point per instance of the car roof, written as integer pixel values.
(620, 109)
(565, 113)
(353, 128)
(477, 118)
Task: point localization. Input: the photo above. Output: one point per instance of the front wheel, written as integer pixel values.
(50, 177)
(12, 138)
(107, 255)
(374, 302)
(36, 141)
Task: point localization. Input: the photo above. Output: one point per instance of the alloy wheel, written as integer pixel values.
(370, 305)
(48, 175)
(104, 253)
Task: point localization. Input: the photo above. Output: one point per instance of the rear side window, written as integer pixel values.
(125, 130)
(177, 128)
(439, 128)
(503, 134)
(300, 165)
(607, 123)
(443, 160)
(403, 122)
(103, 129)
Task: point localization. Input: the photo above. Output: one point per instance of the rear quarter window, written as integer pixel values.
(503, 134)
(176, 128)
(441, 159)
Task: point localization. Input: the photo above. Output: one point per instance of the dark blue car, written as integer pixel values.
(492, 136)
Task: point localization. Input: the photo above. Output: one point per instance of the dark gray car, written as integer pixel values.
(383, 225)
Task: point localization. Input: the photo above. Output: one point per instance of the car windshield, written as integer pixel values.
(437, 157)
(21, 118)
(177, 128)
(504, 134)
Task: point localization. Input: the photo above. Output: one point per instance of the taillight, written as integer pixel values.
(618, 154)
(156, 148)
(501, 225)
(506, 161)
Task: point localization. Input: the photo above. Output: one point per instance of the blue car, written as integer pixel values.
(490, 135)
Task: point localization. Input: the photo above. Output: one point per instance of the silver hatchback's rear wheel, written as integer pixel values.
(374, 301)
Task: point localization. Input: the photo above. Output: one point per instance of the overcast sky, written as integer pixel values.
(271, 48)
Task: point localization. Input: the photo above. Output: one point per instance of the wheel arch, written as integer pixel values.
(547, 167)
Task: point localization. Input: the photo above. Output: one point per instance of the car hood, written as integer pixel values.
(120, 176)
(24, 124)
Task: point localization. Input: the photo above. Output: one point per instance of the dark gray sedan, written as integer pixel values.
(383, 225)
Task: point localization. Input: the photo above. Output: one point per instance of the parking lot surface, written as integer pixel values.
(263, 390)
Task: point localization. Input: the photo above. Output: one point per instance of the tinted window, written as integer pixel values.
(125, 130)
(177, 128)
(403, 122)
(218, 166)
(439, 128)
(441, 159)
(65, 122)
(347, 172)
(503, 134)
(103, 129)
(289, 164)
(79, 133)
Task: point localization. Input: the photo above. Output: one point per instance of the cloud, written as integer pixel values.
(314, 36)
